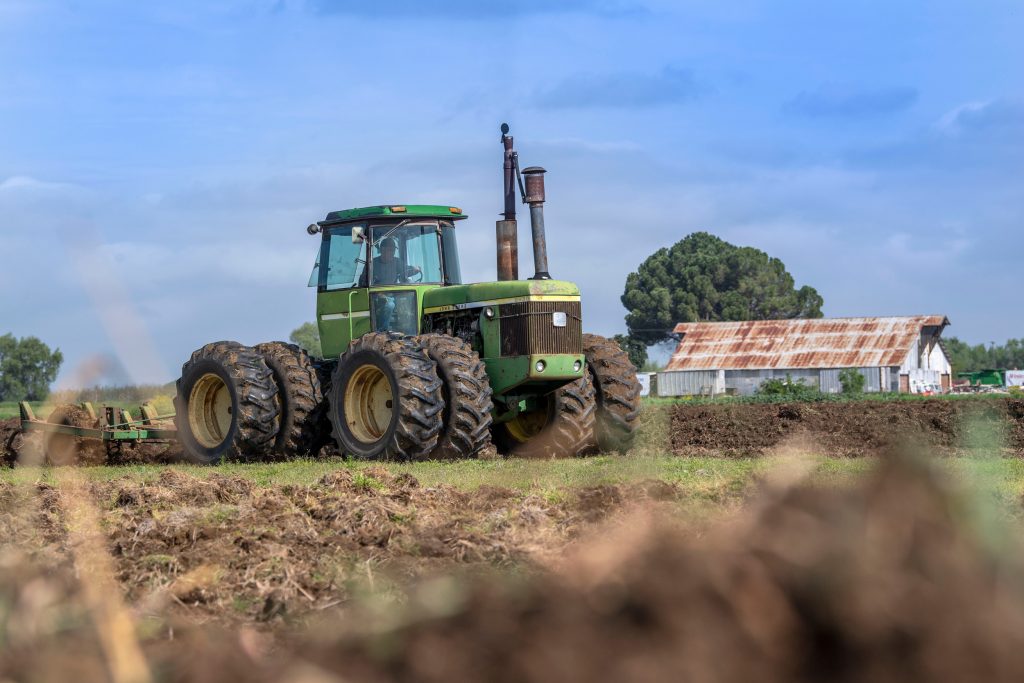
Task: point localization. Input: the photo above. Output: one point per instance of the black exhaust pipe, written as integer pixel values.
(535, 198)
(506, 231)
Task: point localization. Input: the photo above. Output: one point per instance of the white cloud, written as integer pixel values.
(22, 185)
(950, 121)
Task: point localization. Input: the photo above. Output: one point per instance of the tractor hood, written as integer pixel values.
(455, 297)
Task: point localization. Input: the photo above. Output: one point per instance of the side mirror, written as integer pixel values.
(357, 234)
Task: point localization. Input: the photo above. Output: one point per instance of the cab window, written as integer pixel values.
(344, 259)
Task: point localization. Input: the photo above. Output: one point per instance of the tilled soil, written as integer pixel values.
(221, 548)
(886, 581)
(845, 429)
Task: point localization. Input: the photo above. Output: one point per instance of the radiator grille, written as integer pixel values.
(529, 327)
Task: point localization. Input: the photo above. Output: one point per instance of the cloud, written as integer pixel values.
(623, 90)
(976, 137)
(837, 102)
(27, 185)
(982, 116)
(473, 9)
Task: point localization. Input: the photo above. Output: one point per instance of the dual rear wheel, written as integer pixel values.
(241, 403)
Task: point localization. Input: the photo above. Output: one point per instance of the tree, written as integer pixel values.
(27, 368)
(852, 381)
(307, 336)
(704, 278)
(634, 348)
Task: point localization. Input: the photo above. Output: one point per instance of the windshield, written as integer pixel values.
(405, 253)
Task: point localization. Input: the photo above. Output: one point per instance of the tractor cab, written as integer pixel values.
(375, 264)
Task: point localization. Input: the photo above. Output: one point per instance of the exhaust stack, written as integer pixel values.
(506, 231)
(535, 198)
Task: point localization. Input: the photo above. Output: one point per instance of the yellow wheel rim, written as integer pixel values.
(525, 426)
(369, 404)
(209, 411)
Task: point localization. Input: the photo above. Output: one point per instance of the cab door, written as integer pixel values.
(342, 302)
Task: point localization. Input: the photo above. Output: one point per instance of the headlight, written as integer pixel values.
(577, 366)
(489, 312)
(540, 366)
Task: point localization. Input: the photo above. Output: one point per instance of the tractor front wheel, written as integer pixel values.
(617, 390)
(562, 427)
(385, 399)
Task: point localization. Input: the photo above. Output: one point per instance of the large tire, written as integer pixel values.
(298, 389)
(562, 428)
(617, 390)
(227, 404)
(386, 401)
(467, 397)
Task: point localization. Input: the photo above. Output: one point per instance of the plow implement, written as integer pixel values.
(79, 434)
(115, 424)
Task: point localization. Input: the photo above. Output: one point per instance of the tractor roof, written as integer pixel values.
(397, 211)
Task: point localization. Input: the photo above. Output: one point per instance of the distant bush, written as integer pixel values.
(788, 389)
(852, 381)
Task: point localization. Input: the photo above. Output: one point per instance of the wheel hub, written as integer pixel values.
(526, 426)
(209, 411)
(369, 404)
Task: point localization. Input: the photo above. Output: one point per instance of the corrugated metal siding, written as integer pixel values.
(875, 380)
(872, 379)
(691, 383)
(745, 382)
(829, 381)
(806, 344)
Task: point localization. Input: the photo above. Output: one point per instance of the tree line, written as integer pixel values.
(967, 358)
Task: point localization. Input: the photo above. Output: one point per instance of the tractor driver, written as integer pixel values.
(388, 269)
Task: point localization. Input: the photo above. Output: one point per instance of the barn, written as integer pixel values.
(897, 354)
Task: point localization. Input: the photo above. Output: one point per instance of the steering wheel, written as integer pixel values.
(419, 275)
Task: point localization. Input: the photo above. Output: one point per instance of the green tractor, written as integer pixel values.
(418, 364)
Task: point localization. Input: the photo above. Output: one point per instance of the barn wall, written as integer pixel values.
(691, 383)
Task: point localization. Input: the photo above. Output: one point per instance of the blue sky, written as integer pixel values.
(159, 161)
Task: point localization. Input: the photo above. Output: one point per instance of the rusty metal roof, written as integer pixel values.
(803, 343)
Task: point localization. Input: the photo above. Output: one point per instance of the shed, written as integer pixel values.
(893, 353)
